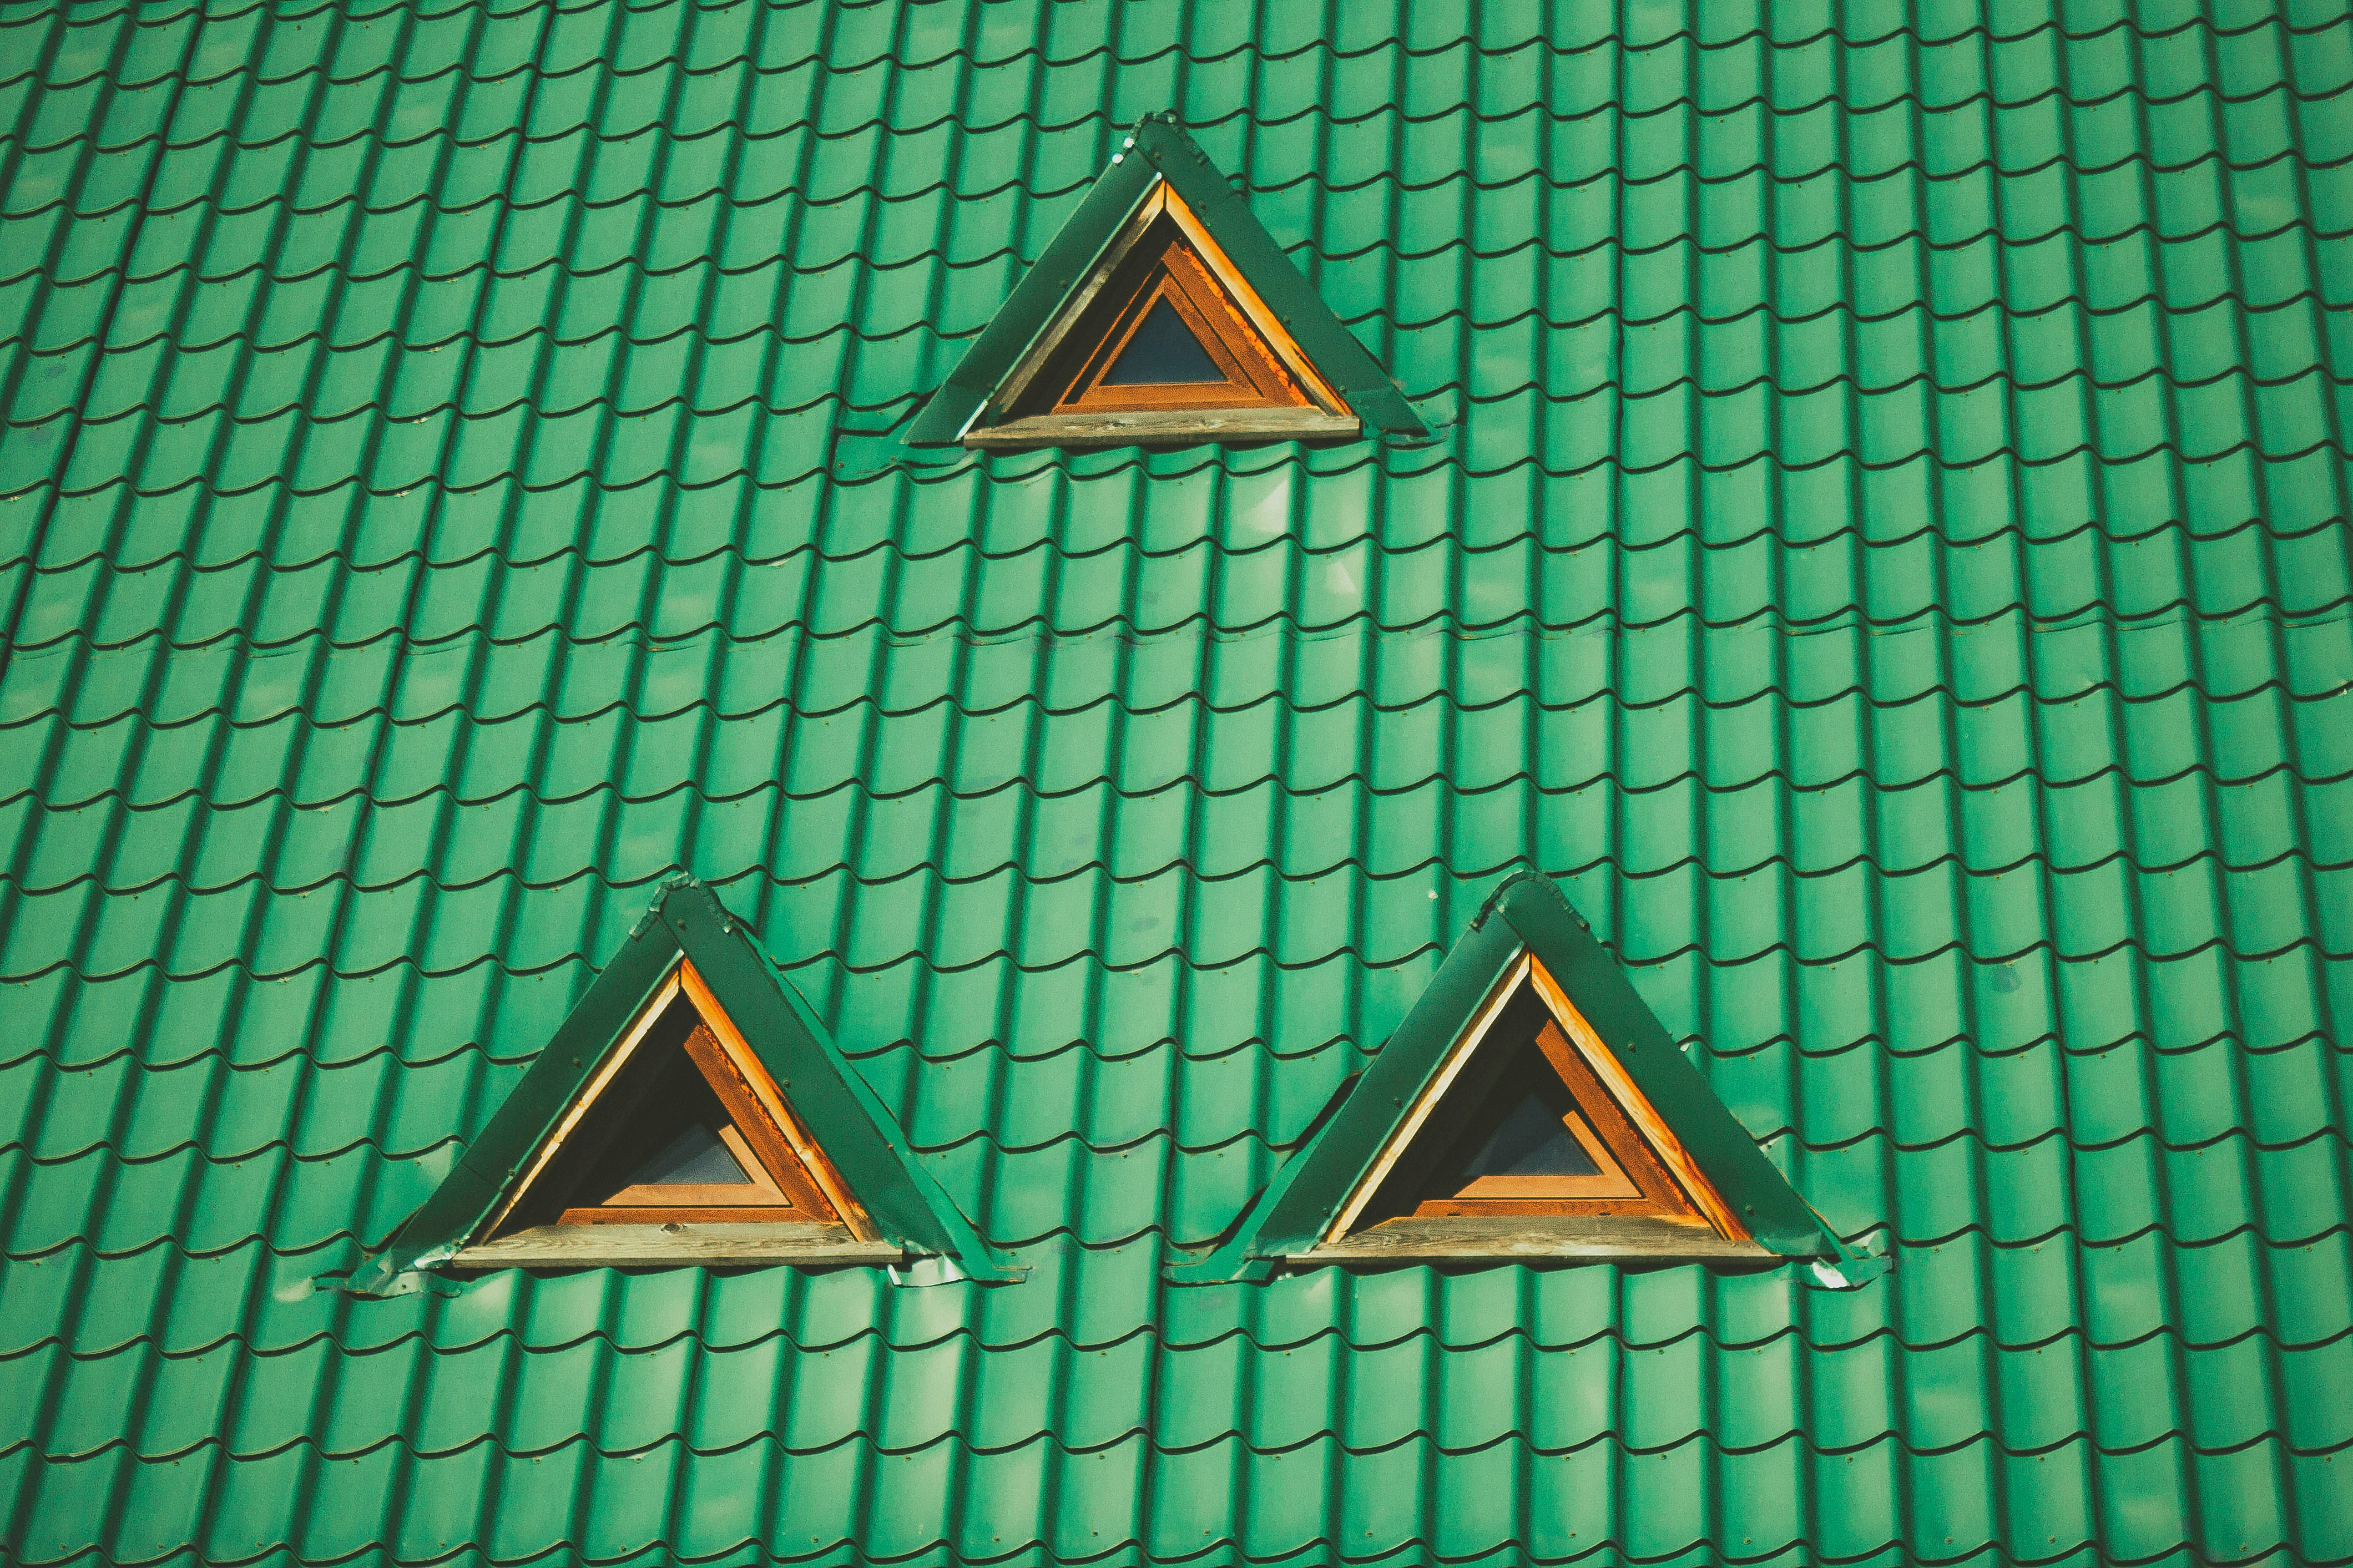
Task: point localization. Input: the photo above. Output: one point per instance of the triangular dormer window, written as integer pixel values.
(691, 1110)
(1162, 315)
(1528, 1109)
(1166, 338)
(682, 1124)
(1531, 1117)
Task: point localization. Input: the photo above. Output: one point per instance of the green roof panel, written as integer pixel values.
(1885, 557)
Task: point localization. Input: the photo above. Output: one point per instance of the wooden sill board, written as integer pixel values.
(1584, 1238)
(712, 1245)
(1126, 429)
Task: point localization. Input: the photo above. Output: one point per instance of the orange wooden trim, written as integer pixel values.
(662, 998)
(1163, 285)
(1255, 377)
(1611, 1181)
(772, 1099)
(1636, 1107)
(1608, 1120)
(698, 1195)
(760, 1192)
(757, 1137)
(685, 1214)
(1270, 326)
(1189, 278)
(1630, 1181)
(1050, 345)
(1498, 995)
(1612, 1122)
(1599, 1152)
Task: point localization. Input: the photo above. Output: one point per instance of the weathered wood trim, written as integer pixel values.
(615, 1060)
(686, 1210)
(711, 1245)
(1270, 327)
(1016, 385)
(770, 1096)
(1636, 1107)
(1130, 429)
(758, 1144)
(1498, 996)
(1623, 1238)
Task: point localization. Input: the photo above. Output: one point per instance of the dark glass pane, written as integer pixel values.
(1531, 1141)
(656, 1125)
(1163, 353)
(695, 1157)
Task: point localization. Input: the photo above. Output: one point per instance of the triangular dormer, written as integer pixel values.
(1162, 314)
(682, 1124)
(1530, 1108)
(1532, 1116)
(690, 1109)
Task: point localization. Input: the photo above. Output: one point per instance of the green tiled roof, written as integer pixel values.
(1886, 555)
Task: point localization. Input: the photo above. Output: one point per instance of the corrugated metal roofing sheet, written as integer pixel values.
(1889, 560)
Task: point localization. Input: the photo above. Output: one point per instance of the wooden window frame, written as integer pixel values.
(685, 1223)
(1630, 1180)
(1254, 378)
(776, 1170)
(1677, 1215)
(1053, 396)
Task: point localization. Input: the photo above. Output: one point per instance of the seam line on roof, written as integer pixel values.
(100, 1150)
(80, 422)
(1061, 1236)
(1224, 548)
(955, 1440)
(1254, 1050)
(1172, 953)
(1184, 870)
(1383, 459)
(604, 1342)
(1989, 234)
(1613, 173)
(675, 61)
(1606, 622)
(1936, 692)
(1984, 33)
(1107, 122)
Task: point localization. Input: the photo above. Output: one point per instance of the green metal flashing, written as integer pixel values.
(1526, 911)
(857, 1131)
(1159, 148)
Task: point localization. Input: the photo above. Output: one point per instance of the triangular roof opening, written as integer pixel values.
(1532, 1115)
(1165, 325)
(681, 1124)
(1528, 1109)
(691, 1110)
(1162, 314)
